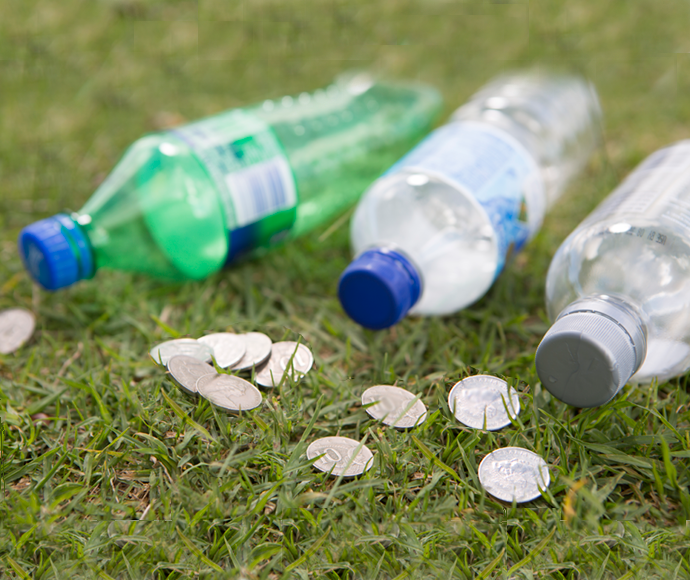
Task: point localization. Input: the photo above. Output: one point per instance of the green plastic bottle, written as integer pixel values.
(183, 203)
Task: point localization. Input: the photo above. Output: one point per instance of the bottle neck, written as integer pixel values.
(82, 248)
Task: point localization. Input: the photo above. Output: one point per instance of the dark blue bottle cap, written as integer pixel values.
(378, 288)
(55, 252)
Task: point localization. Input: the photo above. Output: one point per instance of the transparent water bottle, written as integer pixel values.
(434, 232)
(183, 203)
(618, 288)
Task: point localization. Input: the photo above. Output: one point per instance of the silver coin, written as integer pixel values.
(187, 370)
(16, 327)
(395, 406)
(163, 352)
(258, 350)
(514, 473)
(227, 348)
(474, 398)
(229, 392)
(273, 370)
(337, 453)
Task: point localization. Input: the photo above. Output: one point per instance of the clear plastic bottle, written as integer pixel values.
(183, 203)
(434, 232)
(618, 288)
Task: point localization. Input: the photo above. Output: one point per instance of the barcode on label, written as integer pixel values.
(261, 189)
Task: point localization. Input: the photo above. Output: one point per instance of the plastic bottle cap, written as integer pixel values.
(587, 356)
(378, 288)
(55, 252)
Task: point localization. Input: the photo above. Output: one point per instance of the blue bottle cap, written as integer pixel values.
(378, 288)
(55, 252)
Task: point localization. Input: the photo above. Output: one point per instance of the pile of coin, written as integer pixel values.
(187, 360)
(16, 327)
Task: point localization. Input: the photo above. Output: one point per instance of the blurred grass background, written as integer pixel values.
(108, 471)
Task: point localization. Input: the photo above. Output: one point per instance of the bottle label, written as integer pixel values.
(492, 167)
(252, 174)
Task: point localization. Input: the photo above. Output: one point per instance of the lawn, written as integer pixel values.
(108, 471)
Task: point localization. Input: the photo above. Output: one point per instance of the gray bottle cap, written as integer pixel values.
(591, 351)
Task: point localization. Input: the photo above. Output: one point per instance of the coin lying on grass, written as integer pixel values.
(187, 370)
(480, 398)
(394, 406)
(337, 456)
(163, 352)
(16, 327)
(514, 474)
(228, 349)
(229, 392)
(285, 356)
(258, 350)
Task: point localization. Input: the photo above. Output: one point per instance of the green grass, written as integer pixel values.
(109, 471)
